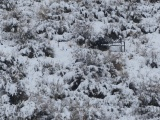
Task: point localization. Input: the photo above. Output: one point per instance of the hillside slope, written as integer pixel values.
(56, 62)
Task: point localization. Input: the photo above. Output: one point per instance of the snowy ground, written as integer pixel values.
(53, 65)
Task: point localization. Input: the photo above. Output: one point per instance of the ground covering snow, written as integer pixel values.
(55, 65)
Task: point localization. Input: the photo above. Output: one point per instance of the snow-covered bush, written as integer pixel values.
(8, 5)
(56, 64)
(90, 57)
(154, 1)
(25, 35)
(148, 96)
(82, 32)
(34, 50)
(44, 13)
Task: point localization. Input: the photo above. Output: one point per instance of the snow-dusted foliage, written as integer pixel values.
(56, 62)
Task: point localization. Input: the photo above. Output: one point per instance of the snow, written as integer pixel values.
(28, 109)
(46, 74)
(98, 27)
(63, 53)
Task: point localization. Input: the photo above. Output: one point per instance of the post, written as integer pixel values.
(58, 43)
(121, 46)
(124, 47)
